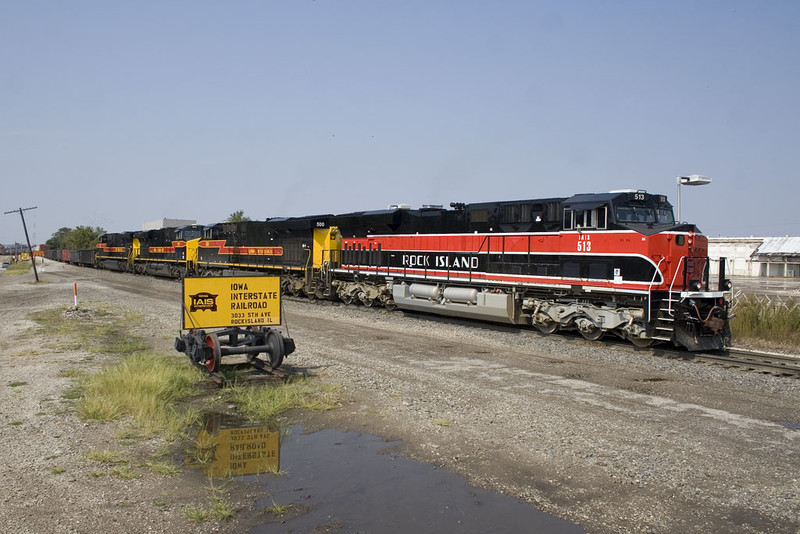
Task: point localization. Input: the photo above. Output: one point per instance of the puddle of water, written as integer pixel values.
(341, 481)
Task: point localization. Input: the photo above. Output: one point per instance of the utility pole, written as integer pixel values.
(25, 227)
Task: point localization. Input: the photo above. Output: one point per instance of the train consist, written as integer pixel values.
(599, 263)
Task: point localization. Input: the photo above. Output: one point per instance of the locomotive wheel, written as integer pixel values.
(390, 305)
(641, 342)
(347, 298)
(590, 331)
(213, 364)
(547, 327)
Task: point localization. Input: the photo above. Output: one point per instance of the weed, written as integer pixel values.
(441, 422)
(71, 373)
(89, 329)
(97, 474)
(262, 404)
(277, 509)
(218, 508)
(58, 470)
(146, 387)
(73, 393)
(15, 423)
(163, 468)
(17, 384)
(763, 322)
(20, 267)
(125, 473)
(202, 451)
(106, 456)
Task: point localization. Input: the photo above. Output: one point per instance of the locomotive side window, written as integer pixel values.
(569, 219)
(594, 218)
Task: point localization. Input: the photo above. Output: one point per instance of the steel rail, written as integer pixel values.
(765, 362)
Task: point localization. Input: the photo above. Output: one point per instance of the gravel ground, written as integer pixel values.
(612, 438)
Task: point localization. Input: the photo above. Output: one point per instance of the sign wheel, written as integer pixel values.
(276, 349)
(213, 363)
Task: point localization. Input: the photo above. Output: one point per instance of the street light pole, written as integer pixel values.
(25, 227)
(693, 179)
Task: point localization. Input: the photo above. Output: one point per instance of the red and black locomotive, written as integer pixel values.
(599, 263)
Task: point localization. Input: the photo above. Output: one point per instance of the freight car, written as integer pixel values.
(598, 263)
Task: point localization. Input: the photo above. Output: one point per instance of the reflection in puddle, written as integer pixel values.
(331, 481)
(228, 447)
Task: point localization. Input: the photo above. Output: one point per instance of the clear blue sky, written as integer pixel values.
(116, 113)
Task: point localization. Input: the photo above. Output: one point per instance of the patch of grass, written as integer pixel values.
(163, 468)
(264, 403)
(202, 451)
(124, 472)
(15, 423)
(765, 323)
(218, 508)
(20, 267)
(17, 384)
(441, 422)
(145, 387)
(58, 470)
(73, 393)
(106, 456)
(277, 509)
(71, 373)
(92, 329)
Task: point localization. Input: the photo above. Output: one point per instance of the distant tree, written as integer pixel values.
(83, 237)
(59, 238)
(237, 216)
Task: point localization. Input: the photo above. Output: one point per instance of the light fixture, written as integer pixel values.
(693, 179)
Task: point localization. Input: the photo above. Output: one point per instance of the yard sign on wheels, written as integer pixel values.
(244, 308)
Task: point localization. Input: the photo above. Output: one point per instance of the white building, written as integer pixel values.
(166, 223)
(756, 256)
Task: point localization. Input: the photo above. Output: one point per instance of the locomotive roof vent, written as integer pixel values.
(432, 207)
(625, 191)
(399, 206)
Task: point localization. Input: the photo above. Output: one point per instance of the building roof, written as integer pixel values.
(779, 246)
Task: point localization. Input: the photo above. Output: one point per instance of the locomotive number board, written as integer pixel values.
(231, 301)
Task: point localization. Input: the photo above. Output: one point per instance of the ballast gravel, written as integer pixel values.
(610, 437)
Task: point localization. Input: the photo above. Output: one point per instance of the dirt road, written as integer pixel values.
(614, 439)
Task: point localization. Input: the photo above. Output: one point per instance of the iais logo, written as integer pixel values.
(203, 301)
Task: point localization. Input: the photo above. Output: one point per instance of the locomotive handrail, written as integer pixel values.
(674, 277)
(650, 287)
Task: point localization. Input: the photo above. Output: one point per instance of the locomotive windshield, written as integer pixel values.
(644, 208)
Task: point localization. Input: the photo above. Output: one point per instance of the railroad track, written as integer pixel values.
(763, 362)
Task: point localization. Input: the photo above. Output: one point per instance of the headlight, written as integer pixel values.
(695, 285)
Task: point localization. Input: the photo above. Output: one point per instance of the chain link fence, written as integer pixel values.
(784, 302)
